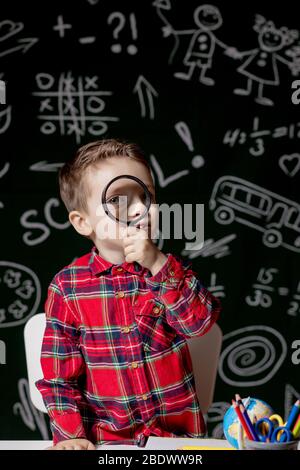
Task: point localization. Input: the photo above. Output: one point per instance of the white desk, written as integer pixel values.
(153, 443)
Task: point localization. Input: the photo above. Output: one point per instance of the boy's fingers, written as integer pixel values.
(91, 446)
(139, 235)
(128, 249)
(130, 257)
(131, 230)
(129, 240)
(132, 245)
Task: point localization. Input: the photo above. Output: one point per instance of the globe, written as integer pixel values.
(254, 407)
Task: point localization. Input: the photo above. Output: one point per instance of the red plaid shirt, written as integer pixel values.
(115, 359)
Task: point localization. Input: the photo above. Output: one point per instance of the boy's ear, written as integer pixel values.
(80, 223)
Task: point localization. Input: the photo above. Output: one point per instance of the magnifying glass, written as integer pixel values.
(119, 194)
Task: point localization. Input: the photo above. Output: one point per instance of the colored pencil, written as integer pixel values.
(242, 420)
(246, 416)
(293, 415)
(296, 429)
(249, 423)
(238, 399)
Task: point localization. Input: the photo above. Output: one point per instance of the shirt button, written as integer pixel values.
(171, 273)
(120, 269)
(134, 365)
(155, 310)
(120, 294)
(145, 397)
(126, 329)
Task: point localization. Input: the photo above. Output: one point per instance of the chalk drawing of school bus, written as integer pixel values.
(278, 218)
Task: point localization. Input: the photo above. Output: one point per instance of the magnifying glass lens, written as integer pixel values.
(125, 196)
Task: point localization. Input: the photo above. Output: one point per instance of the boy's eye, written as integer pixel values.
(114, 200)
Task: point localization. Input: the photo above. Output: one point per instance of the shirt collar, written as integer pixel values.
(99, 265)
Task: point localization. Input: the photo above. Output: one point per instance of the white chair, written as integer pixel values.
(33, 338)
(205, 352)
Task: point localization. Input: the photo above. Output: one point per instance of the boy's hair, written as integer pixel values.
(72, 185)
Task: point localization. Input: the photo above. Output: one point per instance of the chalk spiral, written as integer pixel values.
(251, 356)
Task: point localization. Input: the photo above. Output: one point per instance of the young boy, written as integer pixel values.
(115, 359)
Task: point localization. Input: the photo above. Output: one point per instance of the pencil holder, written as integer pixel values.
(259, 445)
(246, 444)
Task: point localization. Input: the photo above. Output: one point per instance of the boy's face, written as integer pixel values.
(106, 232)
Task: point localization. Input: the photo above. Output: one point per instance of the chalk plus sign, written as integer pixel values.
(61, 26)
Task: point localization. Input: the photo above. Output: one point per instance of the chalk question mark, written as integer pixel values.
(121, 20)
(117, 15)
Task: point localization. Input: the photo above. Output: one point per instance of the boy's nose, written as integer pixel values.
(136, 210)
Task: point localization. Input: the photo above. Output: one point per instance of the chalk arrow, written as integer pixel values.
(45, 166)
(24, 45)
(163, 182)
(145, 90)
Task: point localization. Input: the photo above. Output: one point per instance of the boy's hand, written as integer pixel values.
(73, 444)
(139, 247)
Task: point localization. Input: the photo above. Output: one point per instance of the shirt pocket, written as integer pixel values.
(156, 334)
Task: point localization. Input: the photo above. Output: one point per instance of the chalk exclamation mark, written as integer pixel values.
(132, 49)
(185, 134)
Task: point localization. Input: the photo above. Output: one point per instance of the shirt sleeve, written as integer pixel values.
(62, 364)
(189, 307)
